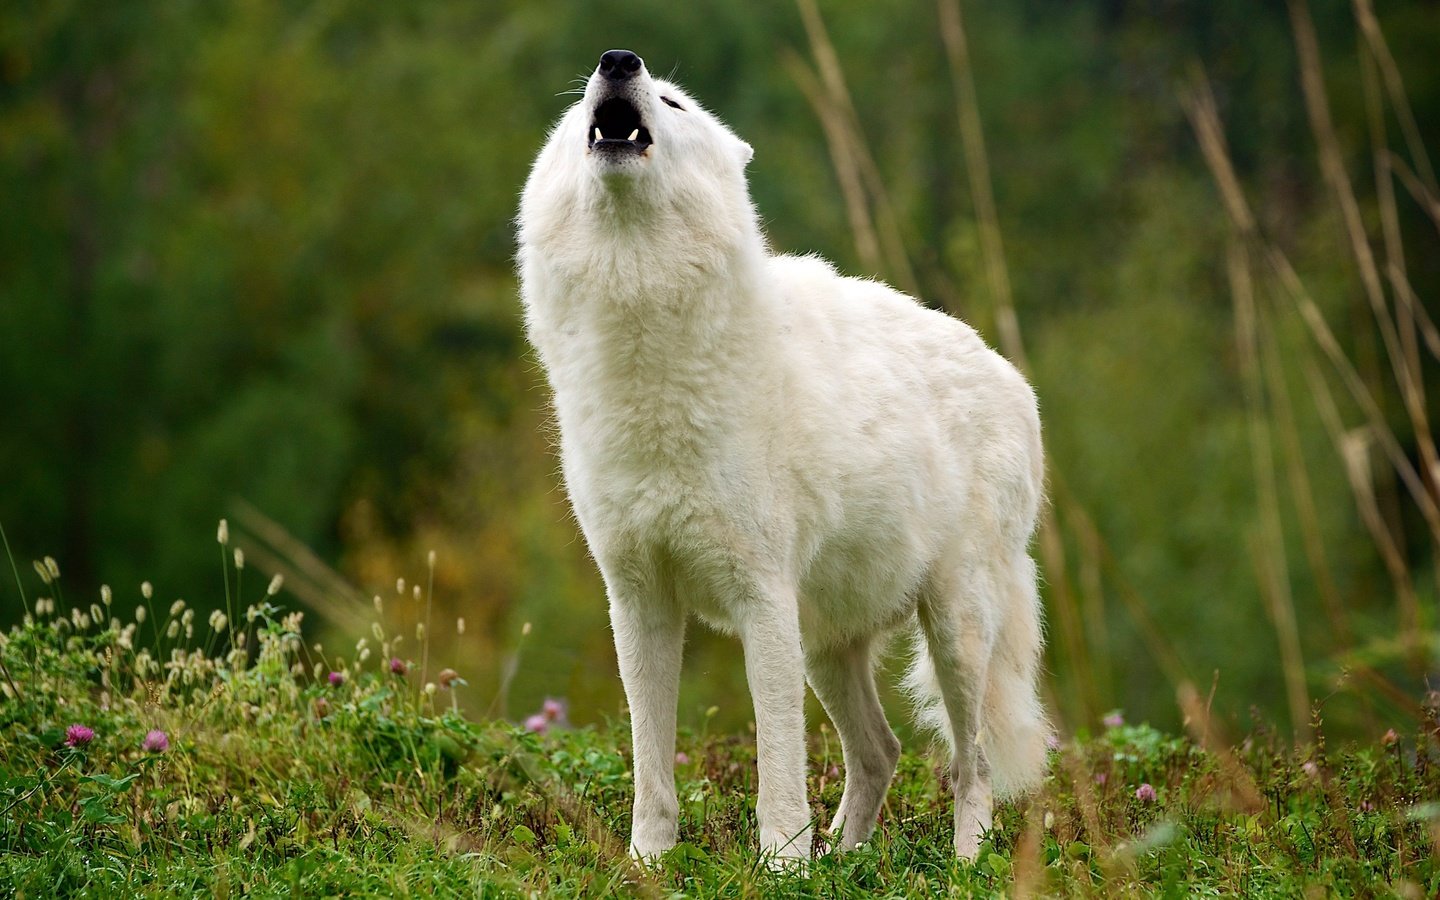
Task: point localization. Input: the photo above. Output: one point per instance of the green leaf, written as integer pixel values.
(114, 785)
(96, 809)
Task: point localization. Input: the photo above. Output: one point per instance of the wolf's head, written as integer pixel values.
(636, 136)
(635, 123)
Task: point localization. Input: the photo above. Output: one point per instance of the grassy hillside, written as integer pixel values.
(136, 759)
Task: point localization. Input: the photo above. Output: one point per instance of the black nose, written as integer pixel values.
(619, 65)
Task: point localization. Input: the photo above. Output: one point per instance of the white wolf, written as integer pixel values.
(809, 461)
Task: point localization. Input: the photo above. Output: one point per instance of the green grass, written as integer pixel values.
(276, 782)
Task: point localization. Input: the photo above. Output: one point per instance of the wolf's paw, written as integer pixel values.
(648, 853)
(787, 852)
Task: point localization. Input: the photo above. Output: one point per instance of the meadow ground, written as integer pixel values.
(274, 769)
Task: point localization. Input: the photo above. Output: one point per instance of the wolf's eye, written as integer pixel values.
(669, 102)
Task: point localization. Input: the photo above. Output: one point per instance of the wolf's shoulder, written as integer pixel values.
(810, 285)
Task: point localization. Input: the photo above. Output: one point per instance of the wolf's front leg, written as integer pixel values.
(649, 640)
(775, 668)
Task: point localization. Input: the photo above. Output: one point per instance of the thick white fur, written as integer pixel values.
(809, 461)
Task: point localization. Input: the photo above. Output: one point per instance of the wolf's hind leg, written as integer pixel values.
(844, 680)
(957, 615)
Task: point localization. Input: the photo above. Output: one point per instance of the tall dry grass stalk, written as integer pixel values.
(1312, 79)
(1400, 322)
(307, 576)
(1268, 542)
(860, 177)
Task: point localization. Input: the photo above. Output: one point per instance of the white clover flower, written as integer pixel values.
(52, 567)
(140, 614)
(430, 689)
(239, 559)
(105, 595)
(146, 590)
(275, 584)
(176, 608)
(188, 617)
(173, 630)
(222, 534)
(96, 613)
(218, 621)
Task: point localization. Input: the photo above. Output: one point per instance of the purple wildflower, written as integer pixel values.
(1145, 793)
(397, 666)
(682, 758)
(1113, 720)
(78, 735)
(1311, 768)
(1052, 741)
(537, 723)
(1366, 806)
(1101, 778)
(833, 771)
(1389, 737)
(337, 679)
(552, 709)
(156, 741)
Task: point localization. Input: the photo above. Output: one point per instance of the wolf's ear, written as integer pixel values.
(747, 153)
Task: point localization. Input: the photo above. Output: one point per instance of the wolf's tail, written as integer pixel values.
(1014, 729)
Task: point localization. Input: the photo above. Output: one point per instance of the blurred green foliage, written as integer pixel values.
(263, 251)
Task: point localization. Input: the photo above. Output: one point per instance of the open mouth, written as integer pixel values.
(617, 127)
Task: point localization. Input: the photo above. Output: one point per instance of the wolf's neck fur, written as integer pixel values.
(663, 329)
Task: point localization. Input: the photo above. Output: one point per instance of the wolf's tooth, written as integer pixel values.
(633, 135)
(598, 135)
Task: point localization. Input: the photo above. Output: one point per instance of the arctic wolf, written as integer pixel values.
(808, 461)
